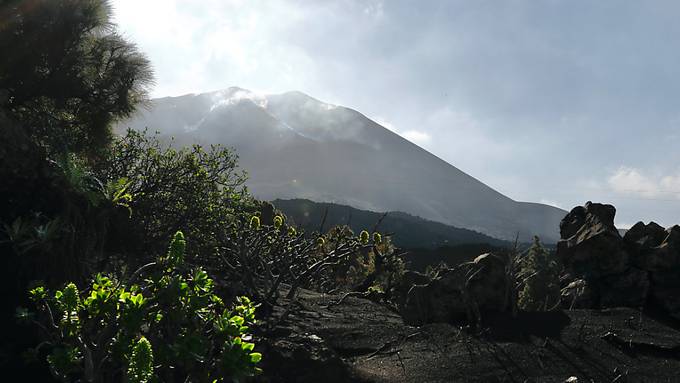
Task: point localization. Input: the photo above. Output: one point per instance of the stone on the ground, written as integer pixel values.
(463, 292)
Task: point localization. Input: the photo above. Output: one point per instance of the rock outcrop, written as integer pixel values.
(463, 292)
(663, 263)
(590, 244)
(641, 238)
(641, 268)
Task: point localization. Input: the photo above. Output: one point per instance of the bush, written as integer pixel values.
(61, 232)
(353, 269)
(539, 277)
(189, 189)
(261, 258)
(169, 326)
(375, 265)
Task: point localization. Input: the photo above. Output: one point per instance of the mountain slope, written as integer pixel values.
(294, 146)
(410, 231)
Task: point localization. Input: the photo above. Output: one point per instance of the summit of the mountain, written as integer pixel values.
(295, 146)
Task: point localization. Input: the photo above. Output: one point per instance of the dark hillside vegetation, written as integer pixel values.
(424, 243)
(409, 231)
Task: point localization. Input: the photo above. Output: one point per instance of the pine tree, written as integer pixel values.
(66, 74)
(539, 275)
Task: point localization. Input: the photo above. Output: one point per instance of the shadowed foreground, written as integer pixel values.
(359, 340)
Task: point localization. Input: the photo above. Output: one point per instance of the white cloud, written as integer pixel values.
(375, 9)
(671, 184)
(384, 123)
(438, 83)
(199, 48)
(417, 137)
(628, 180)
(231, 97)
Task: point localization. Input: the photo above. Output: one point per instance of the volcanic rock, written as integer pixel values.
(591, 245)
(629, 289)
(463, 292)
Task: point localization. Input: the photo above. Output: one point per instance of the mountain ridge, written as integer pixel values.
(409, 231)
(295, 146)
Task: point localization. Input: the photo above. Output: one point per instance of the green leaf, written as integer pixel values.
(237, 320)
(255, 357)
(37, 293)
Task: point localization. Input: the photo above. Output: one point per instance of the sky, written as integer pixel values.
(558, 102)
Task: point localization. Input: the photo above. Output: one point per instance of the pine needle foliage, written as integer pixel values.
(66, 73)
(539, 279)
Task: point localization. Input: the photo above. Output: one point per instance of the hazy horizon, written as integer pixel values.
(552, 102)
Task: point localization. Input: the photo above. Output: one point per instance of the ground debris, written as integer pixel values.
(375, 345)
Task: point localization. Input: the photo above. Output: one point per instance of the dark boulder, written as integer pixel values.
(303, 358)
(645, 236)
(640, 239)
(666, 256)
(579, 216)
(572, 222)
(464, 292)
(665, 291)
(591, 245)
(629, 289)
(606, 270)
(594, 253)
(663, 262)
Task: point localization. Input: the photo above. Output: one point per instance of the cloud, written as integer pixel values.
(198, 47)
(417, 137)
(384, 123)
(671, 184)
(512, 94)
(632, 181)
(234, 96)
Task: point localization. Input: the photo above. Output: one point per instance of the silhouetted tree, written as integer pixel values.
(66, 74)
(540, 274)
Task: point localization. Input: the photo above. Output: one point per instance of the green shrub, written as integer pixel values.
(371, 265)
(539, 279)
(265, 260)
(191, 189)
(391, 267)
(169, 326)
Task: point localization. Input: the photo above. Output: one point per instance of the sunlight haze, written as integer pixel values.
(555, 102)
